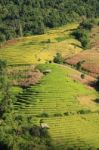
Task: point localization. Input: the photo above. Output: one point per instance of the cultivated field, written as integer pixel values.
(58, 100)
(55, 94)
(41, 48)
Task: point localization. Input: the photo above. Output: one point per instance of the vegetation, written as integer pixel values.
(83, 32)
(83, 76)
(90, 56)
(58, 59)
(45, 105)
(79, 65)
(60, 109)
(39, 49)
(17, 132)
(19, 18)
(5, 102)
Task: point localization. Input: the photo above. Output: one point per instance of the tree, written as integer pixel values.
(58, 58)
(26, 17)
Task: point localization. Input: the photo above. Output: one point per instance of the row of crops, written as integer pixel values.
(54, 99)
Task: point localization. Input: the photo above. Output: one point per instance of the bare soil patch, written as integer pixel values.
(87, 101)
(24, 75)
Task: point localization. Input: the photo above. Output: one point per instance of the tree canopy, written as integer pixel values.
(27, 17)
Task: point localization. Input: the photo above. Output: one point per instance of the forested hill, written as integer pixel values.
(26, 17)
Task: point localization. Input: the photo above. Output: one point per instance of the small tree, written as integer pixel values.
(83, 76)
(78, 66)
(58, 59)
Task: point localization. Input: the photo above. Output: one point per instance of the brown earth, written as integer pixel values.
(76, 75)
(90, 56)
(24, 75)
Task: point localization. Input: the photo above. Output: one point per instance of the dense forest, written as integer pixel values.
(27, 17)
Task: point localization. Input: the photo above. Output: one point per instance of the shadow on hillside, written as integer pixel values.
(97, 101)
(70, 30)
(76, 45)
(94, 85)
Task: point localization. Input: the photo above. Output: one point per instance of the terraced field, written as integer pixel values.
(41, 48)
(55, 100)
(61, 99)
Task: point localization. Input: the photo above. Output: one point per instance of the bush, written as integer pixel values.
(79, 65)
(35, 131)
(88, 25)
(83, 36)
(58, 59)
(83, 76)
(58, 115)
(97, 84)
(4, 146)
(66, 114)
(84, 111)
(44, 115)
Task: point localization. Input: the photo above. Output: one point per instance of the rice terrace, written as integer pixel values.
(49, 75)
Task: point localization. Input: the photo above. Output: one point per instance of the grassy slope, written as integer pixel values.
(37, 49)
(57, 93)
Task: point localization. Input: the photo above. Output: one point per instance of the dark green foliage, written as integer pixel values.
(83, 76)
(83, 32)
(35, 131)
(83, 36)
(66, 114)
(79, 65)
(58, 115)
(87, 24)
(4, 146)
(97, 84)
(58, 59)
(26, 17)
(84, 111)
(44, 115)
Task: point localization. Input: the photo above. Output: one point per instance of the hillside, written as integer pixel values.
(90, 56)
(41, 48)
(41, 93)
(59, 101)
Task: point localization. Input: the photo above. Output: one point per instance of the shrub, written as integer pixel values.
(58, 59)
(66, 114)
(83, 36)
(79, 65)
(44, 115)
(35, 131)
(83, 76)
(49, 41)
(97, 84)
(58, 115)
(50, 61)
(4, 146)
(84, 111)
(88, 25)
(44, 132)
